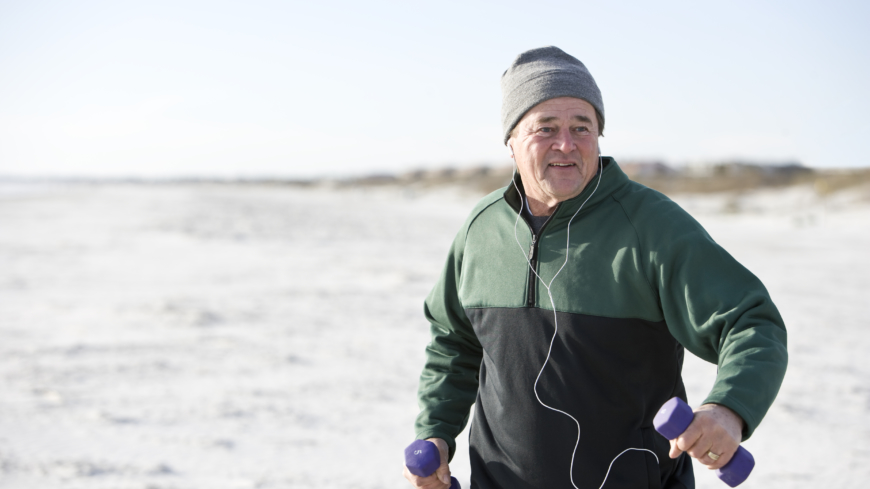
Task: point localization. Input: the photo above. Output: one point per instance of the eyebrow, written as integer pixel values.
(581, 118)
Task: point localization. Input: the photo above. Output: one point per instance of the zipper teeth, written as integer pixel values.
(533, 257)
(530, 302)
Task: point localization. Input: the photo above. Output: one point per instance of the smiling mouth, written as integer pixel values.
(562, 165)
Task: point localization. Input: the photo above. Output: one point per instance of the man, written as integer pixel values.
(565, 305)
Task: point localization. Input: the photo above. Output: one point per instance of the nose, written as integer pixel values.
(563, 141)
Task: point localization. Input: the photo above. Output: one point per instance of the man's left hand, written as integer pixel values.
(715, 430)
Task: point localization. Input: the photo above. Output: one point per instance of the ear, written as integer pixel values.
(510, 147)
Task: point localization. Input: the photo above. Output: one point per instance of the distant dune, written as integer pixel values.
(722, 177)
(726, 177)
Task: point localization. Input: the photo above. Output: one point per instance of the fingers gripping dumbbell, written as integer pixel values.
(423, 458)
(672, 420)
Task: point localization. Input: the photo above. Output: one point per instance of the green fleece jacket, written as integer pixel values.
(643, 280)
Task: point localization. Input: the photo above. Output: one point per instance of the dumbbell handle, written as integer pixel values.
(423, 458)
(672, 420)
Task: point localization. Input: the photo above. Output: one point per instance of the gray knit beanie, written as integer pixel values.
(541, 74)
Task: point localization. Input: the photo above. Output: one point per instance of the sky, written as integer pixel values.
(307, 89)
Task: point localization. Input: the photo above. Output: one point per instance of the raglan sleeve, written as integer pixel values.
(449, 381)
(720, 312)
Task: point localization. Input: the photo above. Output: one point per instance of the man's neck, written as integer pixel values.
(538, 208)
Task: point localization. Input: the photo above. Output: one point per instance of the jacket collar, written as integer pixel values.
(612, 177)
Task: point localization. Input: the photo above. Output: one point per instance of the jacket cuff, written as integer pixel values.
(749, 422)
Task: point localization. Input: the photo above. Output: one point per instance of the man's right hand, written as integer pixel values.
(438, 480)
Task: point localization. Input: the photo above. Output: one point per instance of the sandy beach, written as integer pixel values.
(169, 336)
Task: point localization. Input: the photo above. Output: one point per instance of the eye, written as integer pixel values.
(546, 129)
(581, 129)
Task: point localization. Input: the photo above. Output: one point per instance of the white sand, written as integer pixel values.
(265, 337)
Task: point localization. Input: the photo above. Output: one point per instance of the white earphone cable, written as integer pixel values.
(556, 321)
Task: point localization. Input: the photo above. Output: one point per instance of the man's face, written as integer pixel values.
(555, 146)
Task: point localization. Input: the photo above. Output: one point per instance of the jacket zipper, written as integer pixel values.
(533, 265)
(533, 258)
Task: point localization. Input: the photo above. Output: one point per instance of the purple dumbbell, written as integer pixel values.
(672, 420)
(423, 459)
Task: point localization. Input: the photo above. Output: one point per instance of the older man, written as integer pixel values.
(565, 305)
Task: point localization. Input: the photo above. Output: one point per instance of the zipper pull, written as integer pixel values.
(532, 247)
